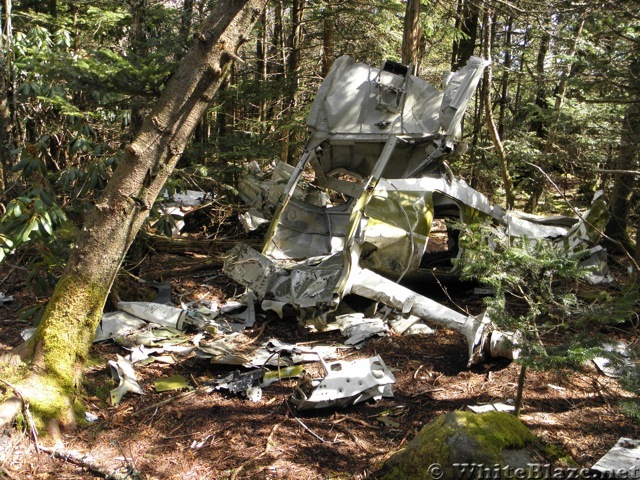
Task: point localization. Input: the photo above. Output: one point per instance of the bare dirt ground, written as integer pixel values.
(200, 435)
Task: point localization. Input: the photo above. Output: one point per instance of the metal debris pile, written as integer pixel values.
(154, 332)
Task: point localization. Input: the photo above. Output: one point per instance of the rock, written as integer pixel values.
(492, 438)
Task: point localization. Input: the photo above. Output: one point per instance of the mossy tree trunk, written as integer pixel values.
(55, 355)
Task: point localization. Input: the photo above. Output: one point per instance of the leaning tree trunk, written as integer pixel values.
(57, 351)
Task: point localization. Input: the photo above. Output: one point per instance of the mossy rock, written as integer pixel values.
(492, 438)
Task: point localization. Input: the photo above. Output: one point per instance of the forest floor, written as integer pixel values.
(200, 435)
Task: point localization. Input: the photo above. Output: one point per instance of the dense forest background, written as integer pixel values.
(559, 107)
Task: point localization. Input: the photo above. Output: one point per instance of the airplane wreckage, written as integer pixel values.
(378, 142)
(359, 213)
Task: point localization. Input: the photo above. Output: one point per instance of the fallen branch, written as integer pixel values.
(85, 461)
(165, 401)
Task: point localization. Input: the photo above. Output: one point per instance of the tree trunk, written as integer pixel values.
(491, 125)
(6, 90)
(628, 159)
(293, 74)
(61, 343)
(538, 124)
(562, 85)
(412, 33)
(328, 39)
(186, 21)
(549, 133)
(262, 62)
(138, 45)
(468, 25)
(504, 97)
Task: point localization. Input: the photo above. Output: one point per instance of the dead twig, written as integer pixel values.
(256, 337)
(85, 461)
(8, 474)
(354, 420)
(165, 401)
(598, 388)
(428, 390)
(308, 429)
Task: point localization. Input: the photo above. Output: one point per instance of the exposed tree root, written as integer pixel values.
(9, 410)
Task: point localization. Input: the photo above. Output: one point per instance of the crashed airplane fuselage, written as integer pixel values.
(361, 209)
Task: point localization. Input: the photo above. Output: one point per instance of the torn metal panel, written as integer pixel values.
(622, 461)
(5, 299)
(123, 373)
(358, 328)
(492, 407)
(345, 383)
(358, 99)
(247, 383)
(615, 359)
(156, 313)
(117, 324)
(410, 325)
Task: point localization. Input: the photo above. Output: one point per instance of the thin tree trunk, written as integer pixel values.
(411, 35)
(504, 97)
(262, 67)
(520, 391)
(293, 74)
(491, 125)
(463, 48)
(138, 45)
(61, 343)
(328, 39)
(562, 85)
(6, 91)
(538, 125)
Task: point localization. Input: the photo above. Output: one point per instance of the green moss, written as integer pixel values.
(487, 435)
(68, 325)
(558, 455)
(48, 399)
(93, 362)
(496, 431)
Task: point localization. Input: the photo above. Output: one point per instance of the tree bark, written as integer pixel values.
(411, 35)
(6, 90)
(491, 124)
(628, 159)
(60, 345)
(538, 124)
(138, 45)
(328, 39)
(468, 25)
(293, 74)
(504, 97)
